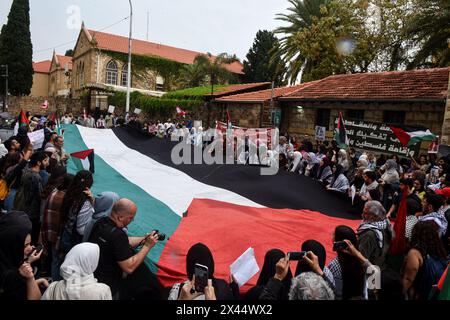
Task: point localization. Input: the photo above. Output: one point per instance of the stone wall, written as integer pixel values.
(40, 84)
(33, 104)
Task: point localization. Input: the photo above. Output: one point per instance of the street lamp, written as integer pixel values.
(5, 103)
(129, 58)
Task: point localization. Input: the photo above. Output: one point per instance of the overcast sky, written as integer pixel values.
(201, 25)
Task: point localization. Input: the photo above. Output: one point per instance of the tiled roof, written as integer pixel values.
(42, 66)
(426, 84)
(63, 60)
(116, 43)
(263, 95)
(239, 88)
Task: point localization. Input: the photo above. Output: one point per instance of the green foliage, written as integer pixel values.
(344, 36)
(429, 26)
(69, 53)
(196, 93)
(16, 49)
(168, 69)
(258, 66)
(153, 107)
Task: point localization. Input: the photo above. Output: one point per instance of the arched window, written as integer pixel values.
(111, 73)
(125, 75)
(82, 74)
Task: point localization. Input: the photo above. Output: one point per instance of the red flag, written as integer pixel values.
(181, 112)
(398, 245)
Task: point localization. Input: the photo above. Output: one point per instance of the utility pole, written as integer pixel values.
(5, 103)
(129, 59)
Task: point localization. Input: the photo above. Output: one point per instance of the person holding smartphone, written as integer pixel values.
(17, 278)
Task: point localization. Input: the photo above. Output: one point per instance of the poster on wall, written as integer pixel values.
(377, 137)
(320, 133)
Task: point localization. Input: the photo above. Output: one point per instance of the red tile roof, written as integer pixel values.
(426, 84)
(263, 95)
(239, 88)
(116, 43)
(63, 60)
(42, 66)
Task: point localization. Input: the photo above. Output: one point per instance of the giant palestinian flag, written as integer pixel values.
(410, 135)
(227, 207)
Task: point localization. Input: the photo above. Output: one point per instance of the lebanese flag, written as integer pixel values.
(398, 245)
(45, 105)
(341, 134)
(410, 135)
(181, 112)
(84, 160)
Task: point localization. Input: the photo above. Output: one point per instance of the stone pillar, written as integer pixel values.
(445, 136)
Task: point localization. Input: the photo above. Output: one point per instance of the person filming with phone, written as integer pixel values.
(117, 257)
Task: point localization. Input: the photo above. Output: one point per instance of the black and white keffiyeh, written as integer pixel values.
(378, 227)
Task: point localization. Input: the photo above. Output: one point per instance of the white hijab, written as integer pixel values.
(78, 268)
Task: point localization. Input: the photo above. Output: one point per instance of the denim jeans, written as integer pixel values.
(9, 201)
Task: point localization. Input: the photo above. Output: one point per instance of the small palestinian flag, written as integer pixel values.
(23, 120)
(341, 134)
(444, 286)
(84, 160)
(410, 135)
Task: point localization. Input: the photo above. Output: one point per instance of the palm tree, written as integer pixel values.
(430, 26)
(214, 67)
(192, 76)
(300, 16)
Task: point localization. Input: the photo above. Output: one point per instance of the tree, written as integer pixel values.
(258, 66)
(211, 69)
(16, 49)
(344, 36)
(429, 26)
(300, 17)
(192, 76)
(69, 53)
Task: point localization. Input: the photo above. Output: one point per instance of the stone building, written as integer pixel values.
(41, 78)
(97, 71)
(417, 97)
(60, 79)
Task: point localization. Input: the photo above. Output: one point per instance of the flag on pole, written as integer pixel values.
(398, 245)
(45, 105)
(410, 135)
(23, 120)
(341, 134)
(84, 160)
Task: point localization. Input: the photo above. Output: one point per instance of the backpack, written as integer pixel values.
(4, 190)
(433, 268)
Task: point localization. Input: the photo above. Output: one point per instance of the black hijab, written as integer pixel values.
(199, 253)
(14, 228)
(352, 272)
(267, 272)
(318, 249)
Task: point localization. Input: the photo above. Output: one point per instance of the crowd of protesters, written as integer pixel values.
(60, 242)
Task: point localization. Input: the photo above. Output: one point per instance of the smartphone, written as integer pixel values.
(340, 245)
(296, 256)
(201, 277)
(38, 248)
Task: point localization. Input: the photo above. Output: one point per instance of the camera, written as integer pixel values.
(161, 236)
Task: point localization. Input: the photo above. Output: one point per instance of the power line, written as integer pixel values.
(73, 41)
